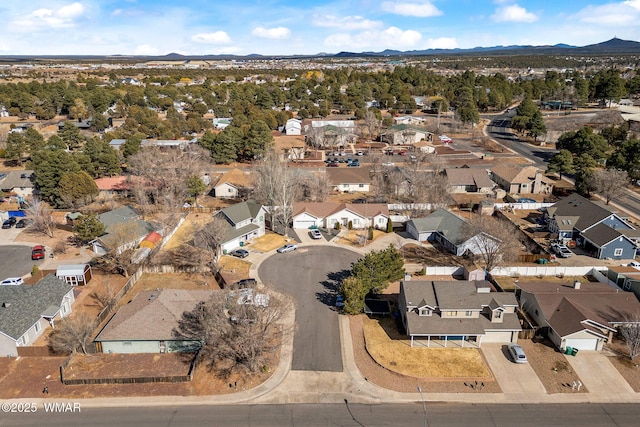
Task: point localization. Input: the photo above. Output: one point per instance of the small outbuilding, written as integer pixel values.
(75, 274)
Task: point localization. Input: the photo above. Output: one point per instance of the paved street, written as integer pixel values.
(15, 261)
(311, 275)
(513, 378)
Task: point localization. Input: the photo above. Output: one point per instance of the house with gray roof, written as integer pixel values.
(146, 324)
(26, 311)
(19, 182)
(466, 180)
(124, 230)
(457, 313)
(447, 229)
(594, 227)
(244, 222)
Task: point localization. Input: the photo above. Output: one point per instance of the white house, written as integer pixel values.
(349, 180)
(245, 222)
(221, 122)
(293, 127)
(327, 214)
(233, 184)
(405, 135)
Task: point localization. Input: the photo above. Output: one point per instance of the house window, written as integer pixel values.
(356, 221)
(37, 327)
(63, 309)
(360, 185)
(24, 340)
(380, 220)
(126, 342)
(452, 313)
(425, 312)
(229, 190)
(617, 252)
(469, 313)
(498, 314)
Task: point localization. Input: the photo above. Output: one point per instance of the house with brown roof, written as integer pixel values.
(466, 180)
(457, 313)
(516, 179)
(110, 186)
(327, 214)
(233, 184)
(349, 180)
(577, 315)
(146, 324)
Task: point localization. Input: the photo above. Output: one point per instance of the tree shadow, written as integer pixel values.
(331, 286)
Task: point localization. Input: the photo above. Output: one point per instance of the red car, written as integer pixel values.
(37, 252)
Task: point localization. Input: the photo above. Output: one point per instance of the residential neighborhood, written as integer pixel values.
(272, 238)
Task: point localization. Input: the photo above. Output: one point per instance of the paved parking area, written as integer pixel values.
(15, 261)
(598, 374)
(514, 378)
(311, 276)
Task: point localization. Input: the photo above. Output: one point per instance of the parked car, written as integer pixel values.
(10, 222)
(445, 139)
(634, 264)
(388, 164)
(360, 153)
(332, 165)
(21, 224)
(240, 253)
(37, 252)
(517, 353)
(12, 281)
(339, 301)
(561, 250)
(315, 234)
(289, 247)
(244, 284)
(355, 163)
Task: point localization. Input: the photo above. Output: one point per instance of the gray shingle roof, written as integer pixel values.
(242, 211)
(444, 222)
(588, 212)
(601, 234)
(22, 306)
(17, 179)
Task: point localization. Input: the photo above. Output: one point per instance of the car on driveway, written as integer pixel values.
(517, 353)
(561, 250)
(21, 224)
(37, 252)
(12, 281)
(315, 234)
(244, 284)
(355, 163)
(10, 222)
(240, 253)
(289, 247)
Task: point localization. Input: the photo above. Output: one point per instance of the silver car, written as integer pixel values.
(517, 353)
(315, 234)
(287, 248)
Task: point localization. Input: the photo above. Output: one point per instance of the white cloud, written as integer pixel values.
(43, 18)
(271, 33)
(146, 49)
(217, 37)
(513, 13)
(626, 13)
(421, 9)
(441, 43)
(391, 38)
(345, 22)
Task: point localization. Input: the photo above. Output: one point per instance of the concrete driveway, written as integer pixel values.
(598, 374)
(514, 378)
(311, 276)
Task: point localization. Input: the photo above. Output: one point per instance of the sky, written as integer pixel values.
(278, 27)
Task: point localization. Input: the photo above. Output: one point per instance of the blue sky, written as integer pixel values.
(278, 27)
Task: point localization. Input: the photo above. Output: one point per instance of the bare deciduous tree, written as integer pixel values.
(278, 187)
(235, 331)
(105, 298)
(611, 183)
(315, 188)
(630, 332)
(72, 334)
(372, 124)
(41, 218)
(495, 240)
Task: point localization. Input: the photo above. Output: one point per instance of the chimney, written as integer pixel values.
(576, 284)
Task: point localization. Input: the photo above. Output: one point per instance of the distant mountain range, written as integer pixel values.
(615, 46)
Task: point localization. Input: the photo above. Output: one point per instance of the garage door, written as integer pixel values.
(498, 336)
(582, 344)
(303, 224)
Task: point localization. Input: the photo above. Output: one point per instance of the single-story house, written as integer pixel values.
(574, 314)
(466, 180)
(74, 274)
(594, 226)
(111, 186)
(349, 180)
(146, 324)
(233, 184)
(457, 313)
(18, 182)
(446, 228)
(117, 144)
(245, 222)
(327, 214)
(409, 120)
(517, 179)
(26, 311)
(221, 122)
(404, 134)
(124, 230)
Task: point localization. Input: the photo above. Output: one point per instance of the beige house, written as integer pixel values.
(404, 134)
(517, 179)
(466, 180)
(233, 184)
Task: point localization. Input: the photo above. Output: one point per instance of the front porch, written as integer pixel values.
(439, 341)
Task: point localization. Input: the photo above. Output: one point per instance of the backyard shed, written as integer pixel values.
(75, 274)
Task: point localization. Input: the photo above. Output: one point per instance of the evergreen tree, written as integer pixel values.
(561, 163)
(88, 227)
(353, 291)
(378, 268)
(536, 126)
(76, 189)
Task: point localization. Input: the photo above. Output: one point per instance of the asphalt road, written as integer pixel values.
(311, 275)
(15, 261)
(346, 414)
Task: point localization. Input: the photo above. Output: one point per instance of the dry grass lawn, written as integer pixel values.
(185, 233)
(231, 263)
(396, 355)
(354, 237)
(268, 242)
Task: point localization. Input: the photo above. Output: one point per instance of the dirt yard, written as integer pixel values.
(354, 237)
(550, 366)
(382, 377)
(91, 366)
(629, 369)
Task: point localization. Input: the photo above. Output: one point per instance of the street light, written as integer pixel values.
(424, 406)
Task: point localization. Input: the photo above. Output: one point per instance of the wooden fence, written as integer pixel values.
(127, 380)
